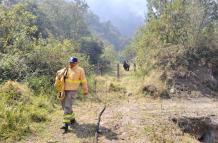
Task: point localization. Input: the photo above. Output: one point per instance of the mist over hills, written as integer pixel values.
(127, 16)
(118, 19)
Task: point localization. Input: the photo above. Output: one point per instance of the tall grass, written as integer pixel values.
(19, 109)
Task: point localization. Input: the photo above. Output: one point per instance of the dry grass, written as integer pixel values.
(153, 78)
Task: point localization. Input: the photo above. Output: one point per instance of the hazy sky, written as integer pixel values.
(127, 15)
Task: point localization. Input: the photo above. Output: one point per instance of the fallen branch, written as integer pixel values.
(98, 124)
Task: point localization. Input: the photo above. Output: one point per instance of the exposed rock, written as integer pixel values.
(205, 129)
(164, 94)
(172, 90)
(150, 89)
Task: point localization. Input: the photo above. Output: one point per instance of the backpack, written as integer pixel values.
(59, 82)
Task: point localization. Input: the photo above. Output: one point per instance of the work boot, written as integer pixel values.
(65, 129)
(73, 121)
(64, 126)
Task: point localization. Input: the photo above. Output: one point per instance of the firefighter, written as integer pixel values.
(126, 66)
(67, 82)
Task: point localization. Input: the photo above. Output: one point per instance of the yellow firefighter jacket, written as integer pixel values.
(74, 77)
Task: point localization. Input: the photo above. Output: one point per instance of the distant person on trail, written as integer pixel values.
(126, 66)
(67, 82)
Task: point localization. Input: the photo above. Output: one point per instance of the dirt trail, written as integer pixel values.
(127, 121)
(133, 119)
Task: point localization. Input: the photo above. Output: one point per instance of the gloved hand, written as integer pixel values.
(61, 96)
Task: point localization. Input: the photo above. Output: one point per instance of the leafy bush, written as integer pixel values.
(175, 29)
(93, 48)
(15, 92)
(40, 84)
(19, 109)
(38, 115)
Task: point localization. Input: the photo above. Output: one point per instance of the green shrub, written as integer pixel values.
(15, 93)
(38, 116)
(14, 121)
(19, 109)
(40, 84)
(43, 102)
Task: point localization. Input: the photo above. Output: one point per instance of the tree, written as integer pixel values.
(92, 48)
(16, 29)
(186, 26)
(67, 18)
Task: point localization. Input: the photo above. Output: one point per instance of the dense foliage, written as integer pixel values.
(36, 39)
(175, 28)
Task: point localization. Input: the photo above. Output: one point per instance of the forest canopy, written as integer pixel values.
(53, 31)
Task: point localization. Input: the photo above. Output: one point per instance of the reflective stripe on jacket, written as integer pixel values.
(75, 77)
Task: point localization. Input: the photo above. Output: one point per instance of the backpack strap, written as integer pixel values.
(65, 73)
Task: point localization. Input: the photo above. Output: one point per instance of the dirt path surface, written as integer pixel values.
(132, 120)
(127, 119)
